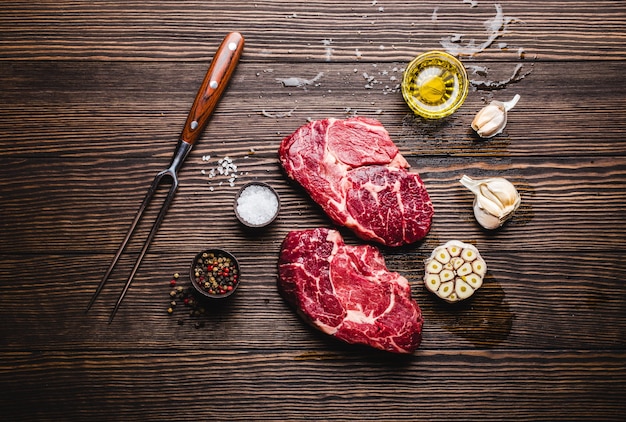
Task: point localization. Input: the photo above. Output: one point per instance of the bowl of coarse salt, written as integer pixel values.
(257, 204)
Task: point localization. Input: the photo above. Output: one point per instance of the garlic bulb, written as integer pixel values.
(454, 271)
(491, 120)
(495, 202)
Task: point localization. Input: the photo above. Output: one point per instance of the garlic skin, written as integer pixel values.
(491, 120)
(496, 199)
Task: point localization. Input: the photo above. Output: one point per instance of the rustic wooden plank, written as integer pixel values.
(119, 109)
(528, 300)
(355, 31)
(93, 97)
(82, 204)
(133, 385)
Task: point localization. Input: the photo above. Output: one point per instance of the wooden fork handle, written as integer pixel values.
(221, 69)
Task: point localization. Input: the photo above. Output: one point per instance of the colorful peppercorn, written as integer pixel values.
(215, 273)
(184, 295)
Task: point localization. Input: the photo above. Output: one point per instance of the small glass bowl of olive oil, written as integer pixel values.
(435, 84)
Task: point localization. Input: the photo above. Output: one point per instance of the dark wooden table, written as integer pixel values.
(93, 97)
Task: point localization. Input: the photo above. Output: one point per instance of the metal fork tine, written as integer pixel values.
(155, 227)
(142, 208)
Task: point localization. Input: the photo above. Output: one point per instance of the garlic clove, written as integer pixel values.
(464, 269)
(462, 289)
(500, 190)
(434, 267)
(433, 282)
(442, 255)
(455, 250)
(496, 199)
(446, 275)
(469, 254)
(488, 221)
(445, 289)
(457, 262)
(479, 267)
(491, 119)
(474, 280)
(461, 277)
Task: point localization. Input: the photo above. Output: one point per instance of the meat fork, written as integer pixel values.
(214, 83)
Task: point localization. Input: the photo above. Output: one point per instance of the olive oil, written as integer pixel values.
(435, 85)
(437, 88)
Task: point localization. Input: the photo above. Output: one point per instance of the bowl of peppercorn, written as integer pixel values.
(214, 273)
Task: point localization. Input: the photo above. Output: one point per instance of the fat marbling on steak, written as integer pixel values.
(348, 292)
(355, 172)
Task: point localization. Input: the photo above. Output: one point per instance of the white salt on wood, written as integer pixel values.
(257, 205)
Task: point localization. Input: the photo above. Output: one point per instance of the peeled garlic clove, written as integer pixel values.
(469, 254)
(464, 269)
(457, 262)
(446, 275)
(455, 251)
(479, 267)
(442, 255)
(461, 277)
(433, 282)
(462, 289)
(434, 267)
(496, 199)
(445, 290)
(474, 280)
(491, 119)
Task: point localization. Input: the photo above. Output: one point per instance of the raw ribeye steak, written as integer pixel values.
(348, 292)
(355, 172)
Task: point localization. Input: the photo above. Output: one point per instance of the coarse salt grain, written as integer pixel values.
(257, 205)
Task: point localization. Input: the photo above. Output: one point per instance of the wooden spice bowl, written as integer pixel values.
(256, 205)
(214, 273)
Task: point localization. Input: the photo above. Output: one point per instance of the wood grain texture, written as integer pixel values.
(93, 96)
(295, 31)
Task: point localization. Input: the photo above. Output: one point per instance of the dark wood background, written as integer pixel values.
(93, 95)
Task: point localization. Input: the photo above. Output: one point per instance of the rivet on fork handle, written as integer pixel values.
(213, 86)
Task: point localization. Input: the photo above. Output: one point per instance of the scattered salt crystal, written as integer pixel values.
(299, 82)
(257, 205)
(329, 50)
(278, 115)
(492, 85)
(224, 167)
(456, 38)
(495, 27)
